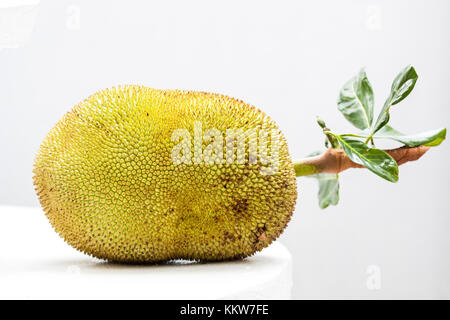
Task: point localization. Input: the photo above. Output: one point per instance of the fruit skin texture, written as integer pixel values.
(107, 183)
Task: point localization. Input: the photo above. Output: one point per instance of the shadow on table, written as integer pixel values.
(92, 265)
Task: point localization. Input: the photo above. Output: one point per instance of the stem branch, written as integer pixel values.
(336, 161)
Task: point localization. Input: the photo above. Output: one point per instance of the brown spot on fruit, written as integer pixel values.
(262, 237)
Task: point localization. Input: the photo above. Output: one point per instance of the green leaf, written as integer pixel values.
(429, 138)
(402, 85)
(328, 189)
(328, 186)
(377, 161)
(355, 101)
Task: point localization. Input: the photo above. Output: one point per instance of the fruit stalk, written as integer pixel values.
(336, 161)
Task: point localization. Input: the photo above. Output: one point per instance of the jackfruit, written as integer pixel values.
(117, 182)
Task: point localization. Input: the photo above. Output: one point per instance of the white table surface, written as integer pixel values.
(36, 264)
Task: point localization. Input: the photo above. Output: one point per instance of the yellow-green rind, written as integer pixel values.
(105, 178)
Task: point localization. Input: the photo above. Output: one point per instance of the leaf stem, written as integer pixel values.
(331, 138)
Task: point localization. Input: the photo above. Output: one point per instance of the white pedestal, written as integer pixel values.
(36, 264)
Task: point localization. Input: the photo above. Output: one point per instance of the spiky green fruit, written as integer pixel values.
(107, 180)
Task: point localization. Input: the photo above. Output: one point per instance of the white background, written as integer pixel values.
(288, 58)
